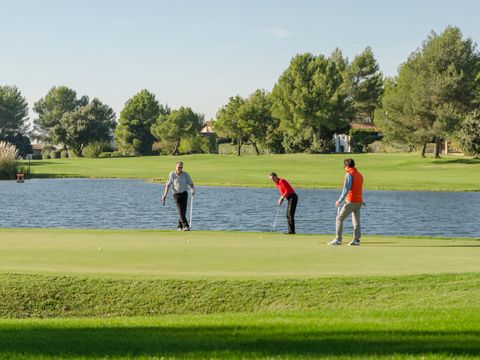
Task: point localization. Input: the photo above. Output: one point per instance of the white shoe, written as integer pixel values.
(354, 243)
(335, 242)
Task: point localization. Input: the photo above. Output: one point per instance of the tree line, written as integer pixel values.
(434, 97)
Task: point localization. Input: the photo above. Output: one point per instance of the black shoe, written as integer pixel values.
(289, 233)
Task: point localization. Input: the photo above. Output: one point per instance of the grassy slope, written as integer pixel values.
(226, 255)
(381, 171)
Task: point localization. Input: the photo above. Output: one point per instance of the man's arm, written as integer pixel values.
(346, 188)
(167, 187)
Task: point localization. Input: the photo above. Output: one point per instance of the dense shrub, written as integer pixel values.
(470, 134)
(105, 154)
(231, 149)
(55, 154)
(8, 157)
(361, 138)
(194, 145)
(64, 154)
(116, 154)
(94, 149)
(37, 157)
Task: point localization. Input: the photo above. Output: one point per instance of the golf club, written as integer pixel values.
(276, 216)
(191, 211)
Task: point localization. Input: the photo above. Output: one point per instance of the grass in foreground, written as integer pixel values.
(381, 171)
(339, 334)
(158, 294)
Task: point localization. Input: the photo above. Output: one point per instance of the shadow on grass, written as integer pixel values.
(426, 246)
(470, 161)
(241, 341)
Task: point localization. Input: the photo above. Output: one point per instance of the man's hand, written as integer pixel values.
(163, 199)
(280, 201)
(337, 203)
(193, 192)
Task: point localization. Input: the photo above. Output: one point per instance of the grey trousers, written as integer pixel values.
(347, 209)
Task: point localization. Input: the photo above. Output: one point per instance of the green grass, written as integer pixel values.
(381, 171)
(162, 294)
(227, 255)
(339, 334)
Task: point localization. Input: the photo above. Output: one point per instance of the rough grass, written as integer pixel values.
(381, 171)
(61, 296)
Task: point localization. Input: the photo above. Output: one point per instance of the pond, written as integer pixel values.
(135, 204)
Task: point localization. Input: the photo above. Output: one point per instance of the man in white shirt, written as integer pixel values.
(179, 180)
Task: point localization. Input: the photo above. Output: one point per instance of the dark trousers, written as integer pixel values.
(292, 206)
(181, 199)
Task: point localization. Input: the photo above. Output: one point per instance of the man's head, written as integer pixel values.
(179, 167)
(349, 163)
(274, 177)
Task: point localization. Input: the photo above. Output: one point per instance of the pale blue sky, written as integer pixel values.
(199, 53)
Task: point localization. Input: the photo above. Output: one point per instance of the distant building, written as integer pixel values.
(207, 127)
(342, 141)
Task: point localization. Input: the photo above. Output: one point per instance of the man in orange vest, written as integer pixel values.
(352, 194)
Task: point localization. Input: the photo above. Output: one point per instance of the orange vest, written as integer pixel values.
(355, 193)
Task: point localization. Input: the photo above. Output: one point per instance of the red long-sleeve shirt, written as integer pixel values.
(284, 188)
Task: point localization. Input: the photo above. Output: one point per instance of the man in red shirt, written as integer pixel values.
(286, 192)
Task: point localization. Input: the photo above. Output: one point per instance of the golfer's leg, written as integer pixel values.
(357, 231)
(177, 199)
(184, 209)
(292, 206)
(346, 210)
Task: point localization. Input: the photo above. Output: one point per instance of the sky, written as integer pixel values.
(200, 53)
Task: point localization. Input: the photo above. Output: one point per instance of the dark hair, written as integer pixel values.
(273, 174)
(349, 162)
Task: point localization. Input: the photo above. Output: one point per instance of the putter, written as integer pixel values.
(276, 216)
(191, 210)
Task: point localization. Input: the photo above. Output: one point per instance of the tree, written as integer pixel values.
(133, 133)
(229, 124)
(93, 122)
(13, 119)
(470, 134)
(366, 85)
(177, 125)
(256, 119)
(311, 100)
(13, 112)
(433, 92)
(50, 109)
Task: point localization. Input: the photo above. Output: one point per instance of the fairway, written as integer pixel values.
(325, 171)
(220, 255)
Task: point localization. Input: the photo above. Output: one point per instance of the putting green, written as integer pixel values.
(221, 255)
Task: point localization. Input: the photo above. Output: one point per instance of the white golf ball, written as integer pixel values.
(100, 249)
(189, 241)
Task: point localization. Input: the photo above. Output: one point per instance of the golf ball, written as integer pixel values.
(100, 249)
(189, 241)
